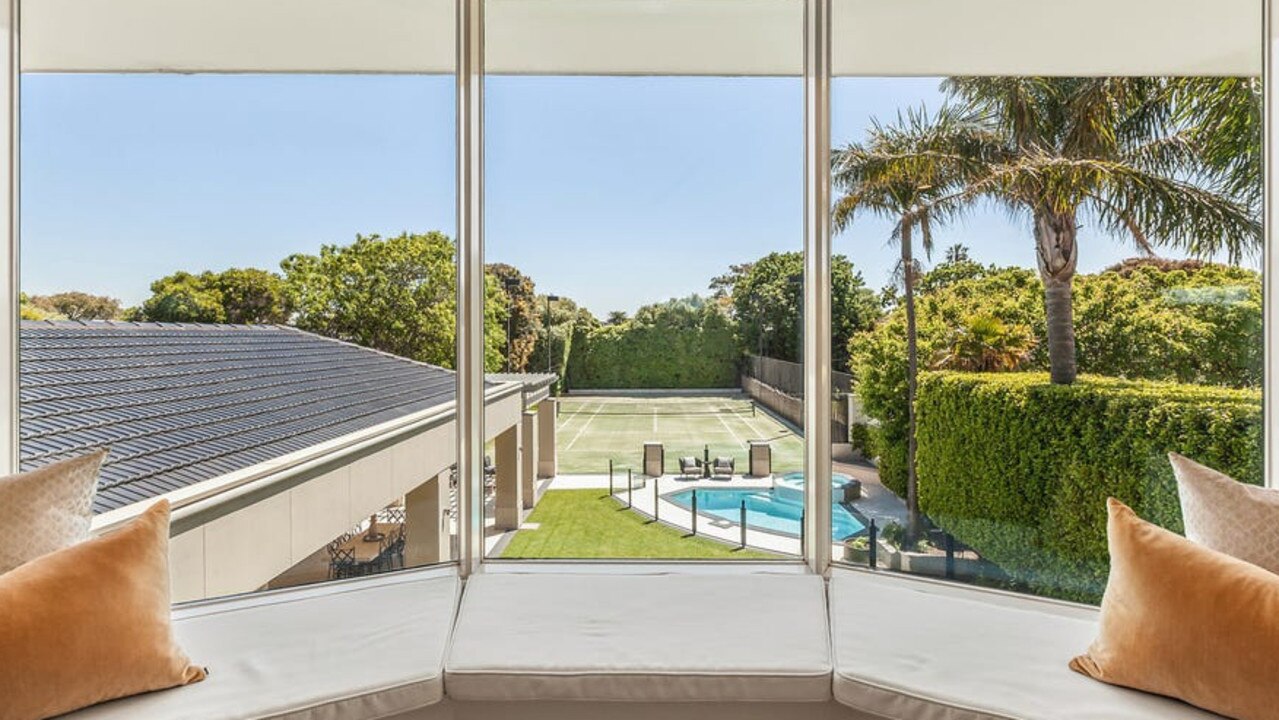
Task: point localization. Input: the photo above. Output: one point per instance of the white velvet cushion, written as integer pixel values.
(676, 637)
(47, 509)
(367, 649)
(924, 651)
(1226, 515)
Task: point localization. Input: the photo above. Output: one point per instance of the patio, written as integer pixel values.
(876, 502)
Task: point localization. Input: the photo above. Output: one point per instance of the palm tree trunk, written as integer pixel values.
(1058, 255)
(912, 372)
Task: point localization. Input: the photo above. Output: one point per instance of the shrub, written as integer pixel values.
(1019, 469)
(1201, 325)
(859, 438)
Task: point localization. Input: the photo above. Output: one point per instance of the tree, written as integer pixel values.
(565, 322)
(398, 295)
(956, 254)
(523, 318)
(1130, 153)
(183, 297)
(616, 317)
(722, 285)
(984, 343)
(768, 306)
(1201, 326)
(242, 296)
(28, 311)
(872, 180)
(75, 305)
(252, 297)
(1224, 122)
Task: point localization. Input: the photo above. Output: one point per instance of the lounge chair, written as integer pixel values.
(722, 466)
(690, 467)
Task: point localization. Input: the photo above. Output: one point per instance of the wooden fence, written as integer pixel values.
(779, 386)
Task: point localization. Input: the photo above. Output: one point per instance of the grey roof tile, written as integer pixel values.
(181, 403)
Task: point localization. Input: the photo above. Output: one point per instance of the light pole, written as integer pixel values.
(549, 300)
(796, 281)
(510, 283)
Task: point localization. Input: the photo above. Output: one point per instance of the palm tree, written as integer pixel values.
(872, 178)
(1131, 154)
(985, 343)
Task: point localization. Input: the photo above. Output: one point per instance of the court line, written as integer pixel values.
(729, 429)
(584, 426)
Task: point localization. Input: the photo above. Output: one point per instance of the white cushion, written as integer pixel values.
(676, 637)
(925, 651)
(47, 509)
(366, 649)
(1226, 515)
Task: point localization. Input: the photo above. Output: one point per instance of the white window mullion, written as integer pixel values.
(9, 258)
(817, 285)
(470, 282)
(1271, 263)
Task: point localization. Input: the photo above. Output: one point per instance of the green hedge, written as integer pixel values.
(1019, 469)
(674, 345)
(1200, 326)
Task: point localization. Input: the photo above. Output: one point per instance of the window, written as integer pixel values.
(1012, 378)
(645, 240)
(644, 234)
(248, 282)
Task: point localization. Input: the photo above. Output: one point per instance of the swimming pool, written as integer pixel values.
(765, 510)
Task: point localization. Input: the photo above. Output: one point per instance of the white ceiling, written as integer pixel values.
(648, 37)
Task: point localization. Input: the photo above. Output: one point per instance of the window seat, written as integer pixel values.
(679, 637)
(371, 648)
(927, 651)
(628, 646)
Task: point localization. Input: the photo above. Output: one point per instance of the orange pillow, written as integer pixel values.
(90, 623)
(1182, 620)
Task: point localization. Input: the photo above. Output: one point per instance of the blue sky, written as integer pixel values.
(613, 191)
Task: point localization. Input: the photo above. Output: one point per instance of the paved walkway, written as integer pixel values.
(877, 503)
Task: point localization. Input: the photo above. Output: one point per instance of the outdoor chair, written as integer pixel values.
(391, 550)
(722, 466)
(342, 563)
(690, 466)
(401, 539)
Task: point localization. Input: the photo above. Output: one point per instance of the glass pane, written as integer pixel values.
(644, 229)
(1064, 299)
(247, 280)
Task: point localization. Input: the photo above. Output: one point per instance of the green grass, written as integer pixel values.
(595, 429)
(589, 524)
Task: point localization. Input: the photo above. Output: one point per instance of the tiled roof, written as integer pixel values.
(177, 404)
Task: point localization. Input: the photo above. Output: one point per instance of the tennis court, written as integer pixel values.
(594, 429)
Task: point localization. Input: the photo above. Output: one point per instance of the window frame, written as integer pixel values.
(469, 74)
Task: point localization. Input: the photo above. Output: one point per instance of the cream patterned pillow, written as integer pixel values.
(47, 509)
(1226, 515)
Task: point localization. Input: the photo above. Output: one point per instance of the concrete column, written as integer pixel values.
(547, 464)
(426, 526)
(528, 465)
(509, 505)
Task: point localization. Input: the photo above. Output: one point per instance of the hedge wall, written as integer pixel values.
(1019, 469)
(1188, 326)
(702, 353)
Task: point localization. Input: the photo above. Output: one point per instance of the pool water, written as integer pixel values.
(765, 510)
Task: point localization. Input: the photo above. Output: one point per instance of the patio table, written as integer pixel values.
(367, 551)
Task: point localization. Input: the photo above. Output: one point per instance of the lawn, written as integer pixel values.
(589, 524)
(595, 429)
